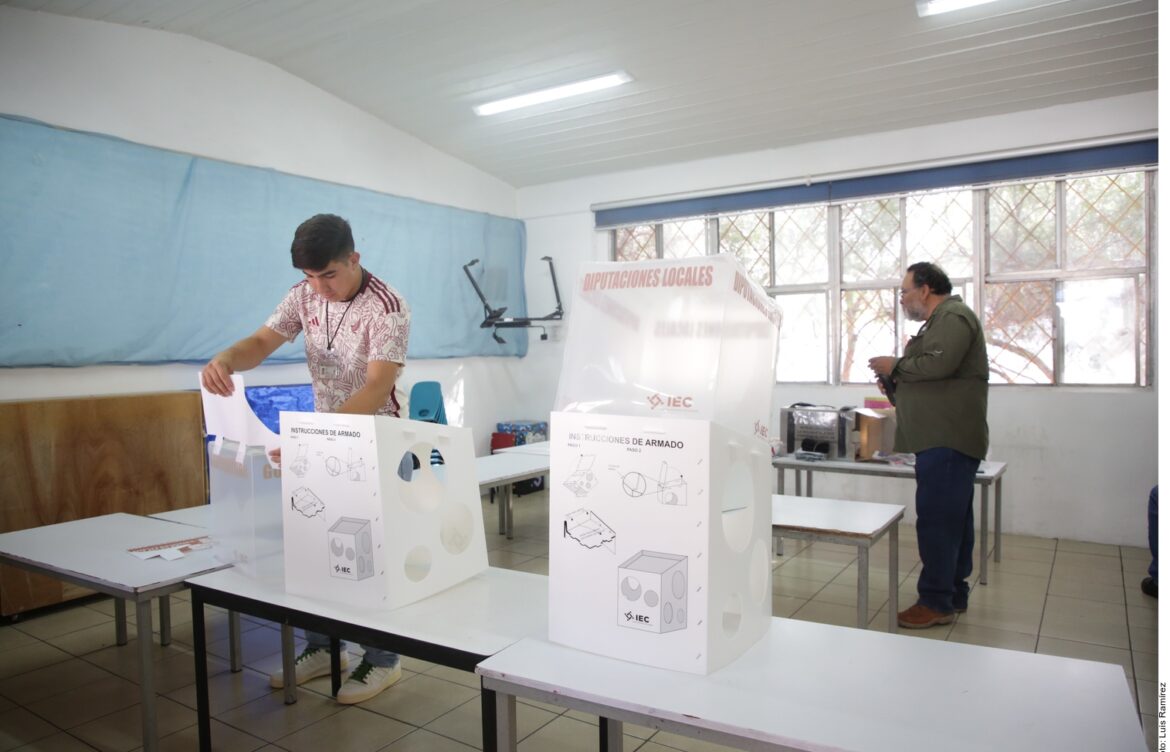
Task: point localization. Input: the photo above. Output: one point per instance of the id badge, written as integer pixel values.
(329, 367)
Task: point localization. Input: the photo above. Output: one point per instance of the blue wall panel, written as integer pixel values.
(114, 252)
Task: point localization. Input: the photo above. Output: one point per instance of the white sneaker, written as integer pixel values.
(311, 663)
(367, 681)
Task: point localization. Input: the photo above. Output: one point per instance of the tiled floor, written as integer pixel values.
(65, 686)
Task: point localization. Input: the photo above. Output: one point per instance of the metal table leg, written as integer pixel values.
(893, 578)
(998, 516)
(146, 676)
(507, 502)
(487, 713)
(164, 620)
(120, 621)
(609, 735)
(799, 483)
(202, 704)
(862, 586)
(808, 480)
(505, 722)
(335, 664)
(503, 525)
(289, 661)
(236, 661)
(780, 480)
(983, 534)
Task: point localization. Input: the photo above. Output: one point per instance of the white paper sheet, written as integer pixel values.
(232, 418)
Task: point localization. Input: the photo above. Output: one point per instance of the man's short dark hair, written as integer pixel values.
(926, 273)
(321, 240)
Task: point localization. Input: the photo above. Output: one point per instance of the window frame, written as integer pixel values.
(981, 274)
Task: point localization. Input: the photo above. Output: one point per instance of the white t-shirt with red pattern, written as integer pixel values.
(374, 325)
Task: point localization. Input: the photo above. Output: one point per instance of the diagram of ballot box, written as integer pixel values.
(378, 512)
(247, 528)
(665, 559)
(686, 338)
(653, 588)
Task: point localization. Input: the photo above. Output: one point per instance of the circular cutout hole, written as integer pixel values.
(418, 563)
(631, 588)
(420, 487)
(455, 526)
(651, 598)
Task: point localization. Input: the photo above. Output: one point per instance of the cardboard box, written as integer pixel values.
(659, 539)
(818, 428)
(875, 431)
(368, 519)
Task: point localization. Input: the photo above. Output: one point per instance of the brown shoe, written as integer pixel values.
(921, 617)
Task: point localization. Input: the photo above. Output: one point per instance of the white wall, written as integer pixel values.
(1081, 461)
(176, 92)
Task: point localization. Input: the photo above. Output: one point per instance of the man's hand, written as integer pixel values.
(882, 365)
(217, 377)
(274, 456)
(242, 356)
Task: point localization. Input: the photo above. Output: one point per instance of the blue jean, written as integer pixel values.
(944, 502)
(374, 656)
(1152, 531)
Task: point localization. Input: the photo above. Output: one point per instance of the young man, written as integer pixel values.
(941, 384)
(356, 330)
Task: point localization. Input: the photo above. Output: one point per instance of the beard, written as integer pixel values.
(914, 313)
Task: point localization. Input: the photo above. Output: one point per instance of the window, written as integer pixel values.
(1058, 269)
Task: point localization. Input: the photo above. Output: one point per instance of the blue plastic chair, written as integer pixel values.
(426, 404)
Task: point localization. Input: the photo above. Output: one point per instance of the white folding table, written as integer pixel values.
(93, 553)
(500, 471)
(457, 627)
(989, 474)
(809, 686)
(854, 523)
(536, 447)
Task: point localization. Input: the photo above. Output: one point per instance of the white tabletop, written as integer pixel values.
(93, 551)
(536, 447)
(199, 516)
(819, 687)
(481, 615)
(855, 518)
(988, 471)
(498, 469)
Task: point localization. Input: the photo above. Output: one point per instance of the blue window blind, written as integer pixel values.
(1132, 154)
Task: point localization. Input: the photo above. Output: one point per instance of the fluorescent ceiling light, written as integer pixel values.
(934, 7)
(556, 92)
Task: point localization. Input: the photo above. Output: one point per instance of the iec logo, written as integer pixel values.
(677, 403)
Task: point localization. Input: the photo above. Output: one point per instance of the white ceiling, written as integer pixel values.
(711, 77)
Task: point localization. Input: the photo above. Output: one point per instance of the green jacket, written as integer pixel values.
(942, 384)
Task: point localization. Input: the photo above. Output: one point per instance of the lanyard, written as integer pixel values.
(329, 338)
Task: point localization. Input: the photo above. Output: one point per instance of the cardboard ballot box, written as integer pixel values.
(369, 520)
(247, 528)
(689, 338)
(244, 487)
(659, 539)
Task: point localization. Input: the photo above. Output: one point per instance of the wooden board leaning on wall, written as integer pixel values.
(66, 459)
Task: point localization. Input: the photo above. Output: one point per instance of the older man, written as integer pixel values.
(941, 385)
